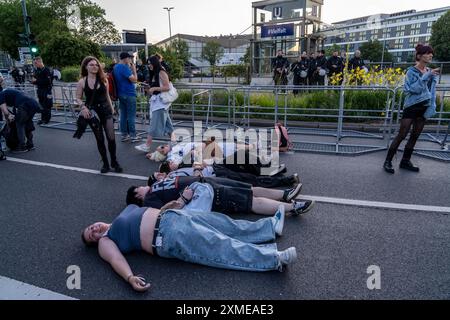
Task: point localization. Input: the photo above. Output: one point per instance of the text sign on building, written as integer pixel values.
(277, 31)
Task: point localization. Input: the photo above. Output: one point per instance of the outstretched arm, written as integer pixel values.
(109, 252)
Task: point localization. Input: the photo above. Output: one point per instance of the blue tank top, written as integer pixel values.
(125, 229)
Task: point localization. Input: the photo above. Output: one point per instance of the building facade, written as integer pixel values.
(287, 25)
(400, 32)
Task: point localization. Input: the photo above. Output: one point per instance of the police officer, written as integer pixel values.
(321, 68)
(300, 69)
(43, 79)
(335, 65)
(280, 67)
(356, 62)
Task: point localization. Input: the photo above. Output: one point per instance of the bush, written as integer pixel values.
(70, 74)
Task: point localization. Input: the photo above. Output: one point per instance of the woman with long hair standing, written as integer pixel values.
(420, 104)
(160, 123)
(93, 85)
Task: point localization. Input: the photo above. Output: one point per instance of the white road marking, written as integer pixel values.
(11, 289)
(348, 202)
(83, 170)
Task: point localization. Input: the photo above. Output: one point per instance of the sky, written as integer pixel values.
(216, 17)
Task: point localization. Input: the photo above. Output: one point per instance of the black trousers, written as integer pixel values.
(256, 181)
(46, 101)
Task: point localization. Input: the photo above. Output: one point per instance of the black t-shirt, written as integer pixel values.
(15, 98)
(167, 190)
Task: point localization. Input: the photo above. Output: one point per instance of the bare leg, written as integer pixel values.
(149, 141)
(268, 207)
(268, 193)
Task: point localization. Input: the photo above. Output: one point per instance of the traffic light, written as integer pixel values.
(23, 40)
(33, 44)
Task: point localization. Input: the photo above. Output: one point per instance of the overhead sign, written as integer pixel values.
(283, 30)
(135, 37)
(25, 55)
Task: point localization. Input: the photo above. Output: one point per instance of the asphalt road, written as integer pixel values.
(44, 209)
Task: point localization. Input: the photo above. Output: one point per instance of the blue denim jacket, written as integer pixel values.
(419, 88)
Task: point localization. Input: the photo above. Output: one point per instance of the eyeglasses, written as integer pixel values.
(93, 65)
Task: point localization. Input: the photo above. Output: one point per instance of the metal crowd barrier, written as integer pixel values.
(339, 127)
(335, 129)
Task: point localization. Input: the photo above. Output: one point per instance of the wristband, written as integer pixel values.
(128, 279)
(185, 200)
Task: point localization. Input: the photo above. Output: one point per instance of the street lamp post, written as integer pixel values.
(170, 25)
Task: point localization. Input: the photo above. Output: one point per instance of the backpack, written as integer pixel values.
(112, 88)
(10, 134)
(285, 143)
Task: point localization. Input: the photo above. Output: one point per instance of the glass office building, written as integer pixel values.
(400, 32)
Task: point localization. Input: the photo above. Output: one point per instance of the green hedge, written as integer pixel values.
(70, 74)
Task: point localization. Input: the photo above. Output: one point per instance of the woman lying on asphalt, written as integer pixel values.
(186, 229)
(230, 196)
(236, 157)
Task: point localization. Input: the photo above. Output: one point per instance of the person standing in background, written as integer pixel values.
(125, 76)
(43, 79)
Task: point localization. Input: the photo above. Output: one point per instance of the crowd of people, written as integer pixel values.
(313, 69)
(183, 211)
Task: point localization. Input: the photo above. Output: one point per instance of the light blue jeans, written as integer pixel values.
(215, 240)
(127, 105)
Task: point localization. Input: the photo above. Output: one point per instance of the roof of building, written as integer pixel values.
(228, 41)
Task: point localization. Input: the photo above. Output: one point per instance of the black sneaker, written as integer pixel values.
(31, 147)
(117, 168)
(302, 207)
(20, 150)
(290, 194)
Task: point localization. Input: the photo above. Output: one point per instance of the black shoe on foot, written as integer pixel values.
(388, 167)
(105, 169)
(117, 168)
(20, 150)
(407, 165)
(301, 207)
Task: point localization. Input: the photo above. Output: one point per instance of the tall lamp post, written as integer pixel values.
(170, 25)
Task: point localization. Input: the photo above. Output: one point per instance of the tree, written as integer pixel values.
(373, 51)
(182, 50)
(440, 36)
(212, 52)
(69, 50)
(329, 51)
(50, 18)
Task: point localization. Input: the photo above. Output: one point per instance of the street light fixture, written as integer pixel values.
(170, 26)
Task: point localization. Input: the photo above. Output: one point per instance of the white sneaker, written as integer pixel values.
(288, 256)
(279, 221)
(135, 139)
(143, 148)
(125, 138)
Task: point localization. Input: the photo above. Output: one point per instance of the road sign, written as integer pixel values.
(25, 55)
